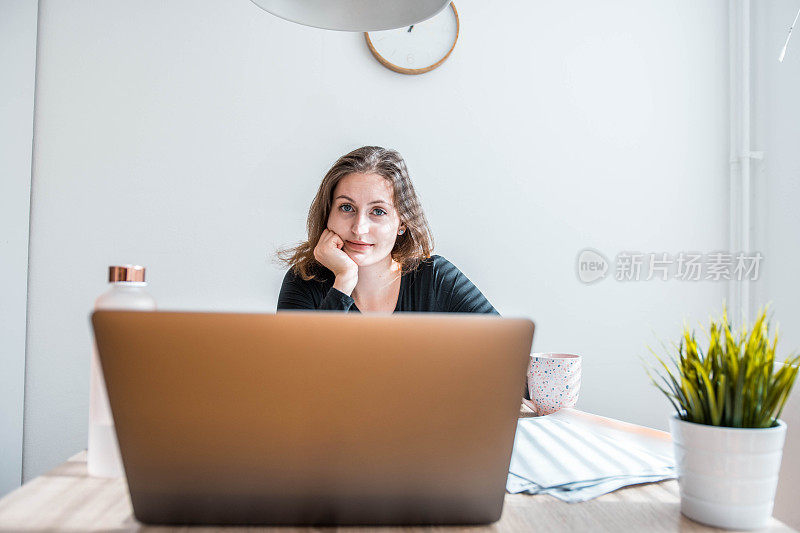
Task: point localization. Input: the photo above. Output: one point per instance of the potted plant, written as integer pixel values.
(727, 433)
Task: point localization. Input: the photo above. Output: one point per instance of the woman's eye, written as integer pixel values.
(347, 208)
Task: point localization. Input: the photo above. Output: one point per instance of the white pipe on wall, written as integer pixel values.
(733, 119)
(745, 152)
(740, 229)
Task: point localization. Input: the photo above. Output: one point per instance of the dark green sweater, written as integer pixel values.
(436, 286)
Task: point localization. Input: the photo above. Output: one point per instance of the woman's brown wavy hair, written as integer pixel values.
(410, 249)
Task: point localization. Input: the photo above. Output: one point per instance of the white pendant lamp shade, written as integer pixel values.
(354, 15)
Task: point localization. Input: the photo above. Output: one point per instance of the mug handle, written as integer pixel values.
(529, 404)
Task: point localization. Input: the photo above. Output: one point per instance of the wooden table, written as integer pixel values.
(67, 499)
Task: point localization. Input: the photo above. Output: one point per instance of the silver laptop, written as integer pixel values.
(314, 418)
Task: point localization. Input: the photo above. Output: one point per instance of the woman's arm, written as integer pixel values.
(297, 293)
(456, 293)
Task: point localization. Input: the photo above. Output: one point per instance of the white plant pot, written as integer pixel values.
(727, 476)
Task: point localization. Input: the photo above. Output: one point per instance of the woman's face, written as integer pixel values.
(363, 212)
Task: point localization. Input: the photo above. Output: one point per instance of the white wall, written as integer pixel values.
(776, 179)
(190, 137)
(18, 68)
(776, 193)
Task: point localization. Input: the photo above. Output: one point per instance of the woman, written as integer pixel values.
(369, 246)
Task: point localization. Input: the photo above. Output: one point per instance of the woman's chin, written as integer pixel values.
(356, 257)
(361, 259)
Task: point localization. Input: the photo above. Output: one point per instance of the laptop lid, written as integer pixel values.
(301, 418)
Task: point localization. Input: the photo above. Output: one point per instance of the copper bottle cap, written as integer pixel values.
(125, 273)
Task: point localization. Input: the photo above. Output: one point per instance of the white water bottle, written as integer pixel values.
(126, 292)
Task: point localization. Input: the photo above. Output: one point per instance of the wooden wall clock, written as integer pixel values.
(419, 48)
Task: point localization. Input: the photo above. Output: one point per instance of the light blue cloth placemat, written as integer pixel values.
(574, 464)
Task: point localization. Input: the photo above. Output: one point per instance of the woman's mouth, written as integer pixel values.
(358, 247)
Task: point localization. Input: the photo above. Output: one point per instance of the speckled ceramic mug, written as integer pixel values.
(554, 381)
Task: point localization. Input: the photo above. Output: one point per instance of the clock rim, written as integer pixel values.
(396, 68)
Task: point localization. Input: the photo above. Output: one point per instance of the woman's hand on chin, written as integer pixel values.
(330, 254)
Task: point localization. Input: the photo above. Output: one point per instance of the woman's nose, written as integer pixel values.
(361, 225)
